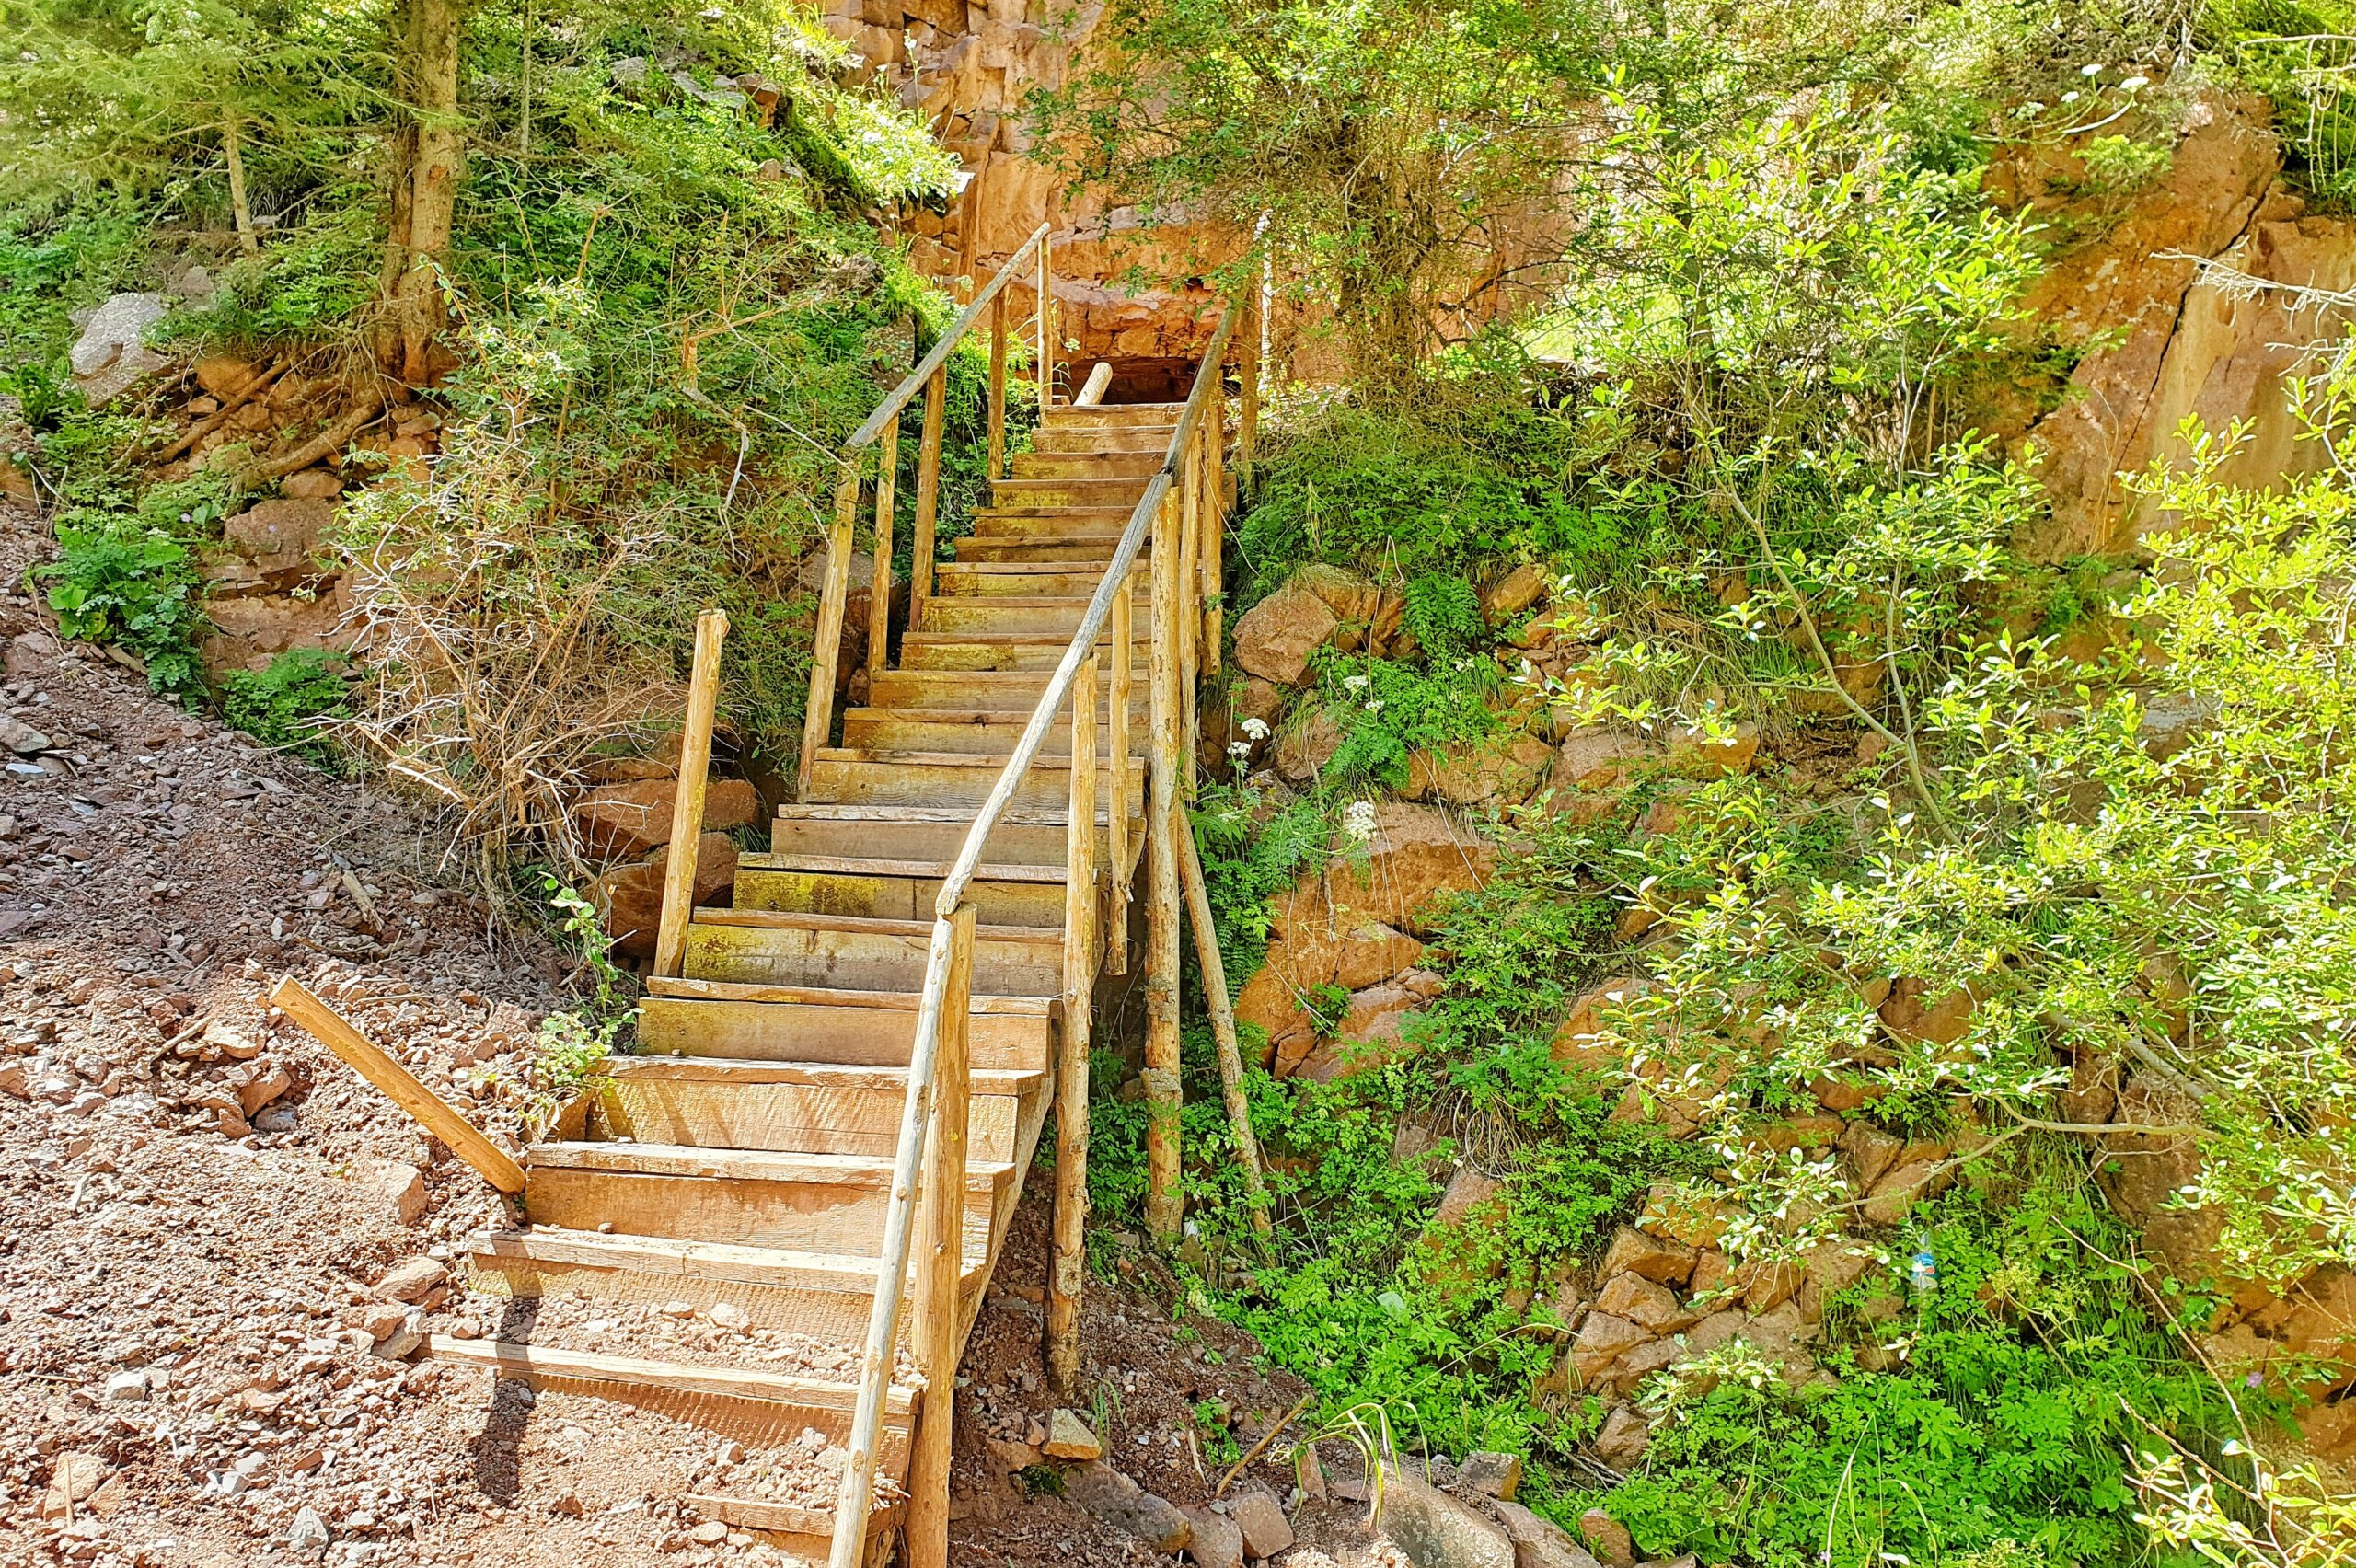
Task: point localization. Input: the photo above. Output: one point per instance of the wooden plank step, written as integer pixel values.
(1014, 614)
(782, 947)
(845, 774)
(999, 690)
(805, 1533)
(1034, 495)
(964, 730)
(751, 1021)
(1068, 416)
(1065, 437)
(834, 1202)
(1027, 578)
(1099, 464)
(919, 833)
(1113, 520)
(880, 889)
(724, 1398)
(975, 651)
(1075, 550)
(810, 1107)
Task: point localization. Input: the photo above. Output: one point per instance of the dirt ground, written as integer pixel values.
(200, 1202)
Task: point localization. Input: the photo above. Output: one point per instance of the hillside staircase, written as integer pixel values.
(805, 1054)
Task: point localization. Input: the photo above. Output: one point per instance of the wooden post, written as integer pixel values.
(1046, 334)
(826, 651)
(1247, 417)
(489, 1161)
(997, 384)
(1212, 582)
(687, 801)
(1163, 1200)
(1222, 1011)
(1188, 624)
(1092, 395)
(941, 1257)
(936, 395)
(879, 591)
(1116, 812)
(1067, 1276)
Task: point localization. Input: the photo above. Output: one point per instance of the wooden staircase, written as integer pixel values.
(745, 1162)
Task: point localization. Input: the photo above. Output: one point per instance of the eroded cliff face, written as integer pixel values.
(2198, 296)
(1122, 290)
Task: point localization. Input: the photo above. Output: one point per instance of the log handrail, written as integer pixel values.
(1176, 593)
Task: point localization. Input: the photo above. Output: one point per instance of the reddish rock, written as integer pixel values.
(1500, 771)
(630, 898)
(1642, 1301)
(1276, 637)
(1576, 1043)
(1608, 1539)
(1624, 1439)
(1418, 856)
(1601, 759)
(1306, 745)
(1649, 1257)
(619, 819)
(1513, 592)
(1604, 1339)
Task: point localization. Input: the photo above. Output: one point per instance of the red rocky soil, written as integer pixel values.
(216, 1238)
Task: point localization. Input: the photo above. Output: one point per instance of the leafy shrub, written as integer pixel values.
(281, 706)
(118, 581)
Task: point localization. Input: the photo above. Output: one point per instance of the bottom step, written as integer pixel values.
(756, 1407)
(805, 1532)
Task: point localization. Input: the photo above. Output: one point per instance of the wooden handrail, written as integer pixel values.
(687, 801)
(906, 392)
(1175, 579)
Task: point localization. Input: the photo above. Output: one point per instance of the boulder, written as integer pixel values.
(1306, 745)
(411, 1280)
(401, 1188)
(1490, 1473)
(1597, 759)
(1370, 953)
(1276, 637)
(630, 898)
(1539, 1543)
(1642, 1301)
(1604, 1339)
(1500, 771)
(1513, 592)
(1418, 856)
(1894, 1196)
(112, 351)
(1099, 1489)
(1070, 1438)
(1658, 1258)
(1576, 1041)
(1624, 1439)
(618, 820)
(1608, 1539)
(1262, 1521)
(1437, 1531)
(1217, 1543)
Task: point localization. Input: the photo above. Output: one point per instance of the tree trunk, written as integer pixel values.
(238, 207)
(428, 154)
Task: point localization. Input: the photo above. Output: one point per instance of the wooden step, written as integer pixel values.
(1112, 519)
(724, 1398)
(997, 690)
(807, 1534)
(991, 730)
(814, 1107)
(838, 951)
(1095, 416)
(1076, 549)
(824, 1294)
(1008, 651)
(1032, 579)
(895, 890)
(1018, 615)
(749, 1021)
(1062, 436)
(920, 833)
(1096, 465)
(950, 778)
(1035, 495)
(831, 1203)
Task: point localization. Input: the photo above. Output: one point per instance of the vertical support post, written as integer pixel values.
(1212, 579)
(879, 591)
(1222, 1011)
(687, 803)
(941, 1255)
(1116, 812)
(826, 653)
(1068, 1273)
(998, 386)
(1163, 1200)
(1047, 332)
(1185, 622)
(1247, 416)
(936, 396)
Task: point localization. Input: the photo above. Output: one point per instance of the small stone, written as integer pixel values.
(1539, 1543)
(73, 1479)
(711, 1532)
(411, 1279)
(400, 1186)
(1070, 1438)
(1437, 1531)
(678, 1308)
(568, 1503)
(728, 1314)
(406, 1340)
(262, 1088)
(128, 1388)
(21, 738)
(384, 1320)
(1266, 1529)
(1492, 1474)
(308, 1536)
(1624, 1438)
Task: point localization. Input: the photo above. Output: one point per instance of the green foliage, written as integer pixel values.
(283, 704)
(2000, 1406)
(573, 1040)
(2121, 166)
(119, 582)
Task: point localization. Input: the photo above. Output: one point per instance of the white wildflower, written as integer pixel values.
(1257, 729)
(1354, 683)
(1357, 821)
(2133, 82)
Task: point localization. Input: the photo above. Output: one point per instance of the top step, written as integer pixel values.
(1114, 414)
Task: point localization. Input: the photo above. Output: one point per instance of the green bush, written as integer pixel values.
(119, 582)
(281, 706)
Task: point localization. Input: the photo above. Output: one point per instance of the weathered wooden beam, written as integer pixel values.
(941, 1259)
(686, 802)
